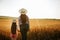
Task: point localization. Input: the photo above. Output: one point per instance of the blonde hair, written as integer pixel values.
(14, 20)
(23, 11)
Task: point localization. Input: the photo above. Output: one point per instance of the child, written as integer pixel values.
(13, 30)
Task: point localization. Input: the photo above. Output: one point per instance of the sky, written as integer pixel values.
(36, 8)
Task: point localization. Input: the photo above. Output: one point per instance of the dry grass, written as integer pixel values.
(40, 29)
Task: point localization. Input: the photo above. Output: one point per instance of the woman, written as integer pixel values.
(23, 23)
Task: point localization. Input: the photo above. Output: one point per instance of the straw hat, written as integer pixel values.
(23, 11)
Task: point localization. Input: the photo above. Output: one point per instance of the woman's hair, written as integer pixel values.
(23, 18)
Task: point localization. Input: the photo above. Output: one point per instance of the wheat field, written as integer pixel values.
(40, 29)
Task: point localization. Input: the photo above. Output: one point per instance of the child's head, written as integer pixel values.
(23, 11)
(14, 20)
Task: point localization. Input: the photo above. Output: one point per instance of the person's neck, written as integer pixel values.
(23, 14)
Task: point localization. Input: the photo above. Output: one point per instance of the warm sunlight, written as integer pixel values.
(36, 8)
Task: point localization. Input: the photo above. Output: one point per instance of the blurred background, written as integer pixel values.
(36, 8)
(44, 18)
(44, 29)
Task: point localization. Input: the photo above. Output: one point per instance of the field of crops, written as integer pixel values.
(40, 29)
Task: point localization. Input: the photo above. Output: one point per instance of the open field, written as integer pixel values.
(40, 29)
